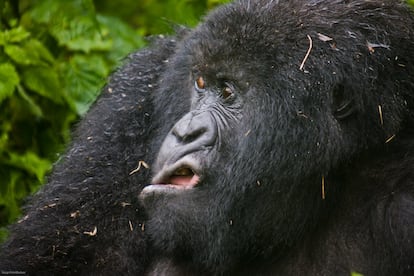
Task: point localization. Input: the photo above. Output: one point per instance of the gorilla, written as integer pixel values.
(276, 138)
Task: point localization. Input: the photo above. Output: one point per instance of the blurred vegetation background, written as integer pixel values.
(55, 56)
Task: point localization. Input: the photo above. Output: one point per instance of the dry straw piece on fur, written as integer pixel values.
(140, 163)
(307, 53)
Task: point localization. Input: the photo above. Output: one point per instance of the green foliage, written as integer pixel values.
(55, 56)
(157, 16)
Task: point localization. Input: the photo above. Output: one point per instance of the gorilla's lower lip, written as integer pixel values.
(160, 189)
(173, 184)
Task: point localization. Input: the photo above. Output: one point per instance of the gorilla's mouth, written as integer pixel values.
(183, 178)
(178, 177)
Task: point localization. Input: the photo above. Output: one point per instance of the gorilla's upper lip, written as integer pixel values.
(183, 174)
(180, 175)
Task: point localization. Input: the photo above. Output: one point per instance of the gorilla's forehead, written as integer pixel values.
(248, 35)
(267, 32)
(235, 33)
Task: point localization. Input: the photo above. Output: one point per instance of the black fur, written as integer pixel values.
(340, 119)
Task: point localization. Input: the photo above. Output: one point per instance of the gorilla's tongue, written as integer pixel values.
(184, 178)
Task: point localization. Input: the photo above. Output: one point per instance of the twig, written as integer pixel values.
(323, 187)
(380, 115)
(390, 139)
(140, 163)
(307, 53)
(92, 233)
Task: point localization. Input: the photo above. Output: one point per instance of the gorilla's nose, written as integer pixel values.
(192, 133)
(195, 130)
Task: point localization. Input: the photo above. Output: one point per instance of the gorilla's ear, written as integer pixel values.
(343, 102)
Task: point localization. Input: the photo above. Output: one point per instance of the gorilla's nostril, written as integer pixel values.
(197, 129)
(193, 136)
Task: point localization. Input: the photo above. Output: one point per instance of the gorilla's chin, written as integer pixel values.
(179, 218)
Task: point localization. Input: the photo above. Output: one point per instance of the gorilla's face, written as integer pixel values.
(195, 197)
(199, 136)
(223, 189)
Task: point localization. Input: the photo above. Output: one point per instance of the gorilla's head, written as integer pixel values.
(238, 176)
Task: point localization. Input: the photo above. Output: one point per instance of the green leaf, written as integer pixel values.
(31, 52)
(81, 34)
(55, 12)
(84, 76)
(8, 197)
(72, 23)
(30, 162)
(30, 104)
(5, 127)
(43, 81)
(4, 233)
(125, 39)
(213, 3)
(8, 80)
(13, 35)
(40, 49)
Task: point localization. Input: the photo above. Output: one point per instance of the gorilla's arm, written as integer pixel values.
(87, 218)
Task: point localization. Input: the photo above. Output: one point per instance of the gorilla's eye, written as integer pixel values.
(227, 92)
(200, 84)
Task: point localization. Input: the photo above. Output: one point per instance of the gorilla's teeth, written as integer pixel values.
(183, 172)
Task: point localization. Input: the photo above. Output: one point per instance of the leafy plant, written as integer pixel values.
(55, 56)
